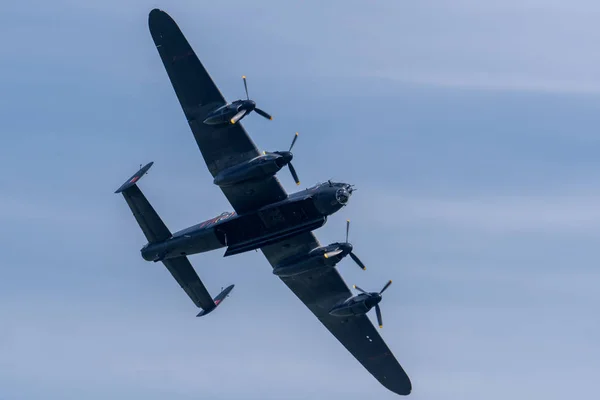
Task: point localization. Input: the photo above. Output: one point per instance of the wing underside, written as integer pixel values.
(320, 292)
(188, 279)
(222, 146)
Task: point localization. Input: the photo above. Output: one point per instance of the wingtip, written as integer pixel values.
(135, 177)
(401, 388)
(154, 13)
(160, 23)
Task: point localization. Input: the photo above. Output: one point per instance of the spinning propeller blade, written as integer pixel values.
(290, 166)
(264, 114)
(378, 311)
(387, 285)
(347, 229)
(246, 87)
(352, 255)
(293, 172)
(357, 261)
(258, 110)
(359, 289)
(293, 141)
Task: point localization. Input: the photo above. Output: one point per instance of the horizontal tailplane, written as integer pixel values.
(190, 282)
(217, 300)
(152, 225)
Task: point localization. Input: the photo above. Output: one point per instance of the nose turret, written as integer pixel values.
(342, 195)
(331, 197)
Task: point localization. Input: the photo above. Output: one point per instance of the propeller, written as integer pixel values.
(258, 110)
(352, 255)
(346, 245)
(377, 298)
(290, 166)
(287, 157)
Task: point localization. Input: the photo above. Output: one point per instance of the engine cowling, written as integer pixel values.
(259, 168)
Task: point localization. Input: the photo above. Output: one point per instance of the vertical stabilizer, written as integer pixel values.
(152, 225)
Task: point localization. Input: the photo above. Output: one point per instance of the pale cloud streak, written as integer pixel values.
(509, 46)
(568, 214)
(494, 282)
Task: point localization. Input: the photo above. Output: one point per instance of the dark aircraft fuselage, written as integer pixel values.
(300, 212)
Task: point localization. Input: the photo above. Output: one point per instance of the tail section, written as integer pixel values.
(152, 225)
(190, 282)
(156, 231)
(220, 297)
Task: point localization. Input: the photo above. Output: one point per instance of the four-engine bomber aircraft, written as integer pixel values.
(265, 216)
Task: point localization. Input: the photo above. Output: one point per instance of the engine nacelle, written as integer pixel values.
(222, 115)
(355, 306)
(256, 169)
(317, 258)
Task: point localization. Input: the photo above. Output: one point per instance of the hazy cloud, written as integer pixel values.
(480, 205)
(566, 214)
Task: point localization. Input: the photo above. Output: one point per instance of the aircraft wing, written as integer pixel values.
(228, 145)
(320, 292)
(222, 146)
(188, 279)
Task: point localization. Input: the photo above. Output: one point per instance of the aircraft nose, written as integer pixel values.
(342, 195)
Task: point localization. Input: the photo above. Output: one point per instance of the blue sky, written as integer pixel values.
(469, 127)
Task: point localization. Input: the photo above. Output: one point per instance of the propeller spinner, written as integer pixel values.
(374, 299)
